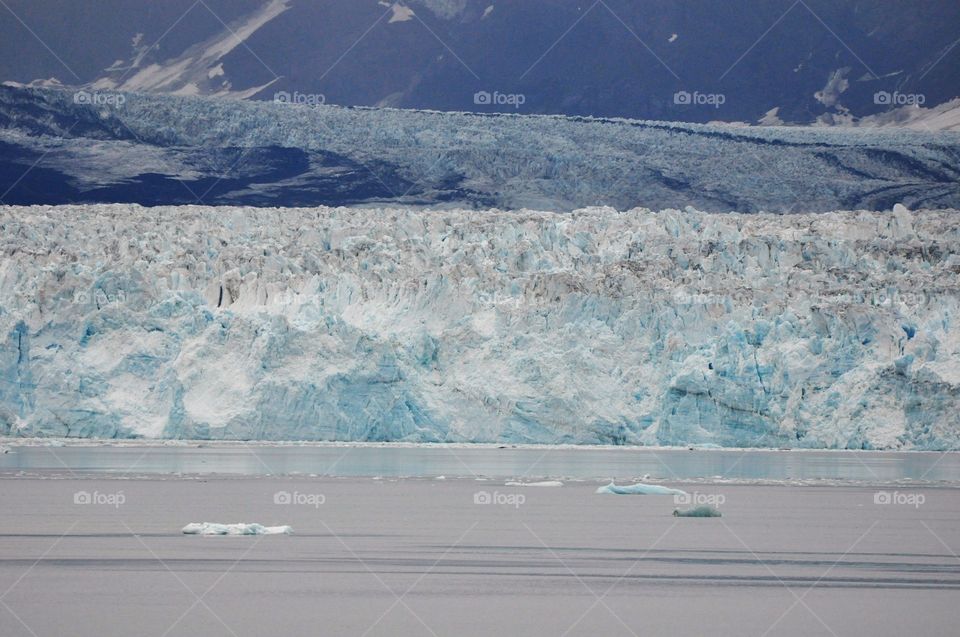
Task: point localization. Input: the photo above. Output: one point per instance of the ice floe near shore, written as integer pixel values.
(240, 528)
(697, 512)
(639, 489)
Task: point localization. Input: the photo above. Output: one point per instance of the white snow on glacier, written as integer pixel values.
(677, 327)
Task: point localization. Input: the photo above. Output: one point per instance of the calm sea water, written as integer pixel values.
(485, 461)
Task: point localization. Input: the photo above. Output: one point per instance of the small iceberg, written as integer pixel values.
(698, 512)
(240, 528)
(639, 489)
(542, 483)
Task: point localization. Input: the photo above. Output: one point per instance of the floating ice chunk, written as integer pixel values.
(698, 512)
(240, 528)
(543, 483)
(4, 449)
(639, 489)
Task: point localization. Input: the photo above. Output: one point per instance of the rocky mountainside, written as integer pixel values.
(613, 58)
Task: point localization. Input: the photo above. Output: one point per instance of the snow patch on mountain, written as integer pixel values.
(401, 13)
(838, 83)
(445, 9)
(199, 69)
(945, 117)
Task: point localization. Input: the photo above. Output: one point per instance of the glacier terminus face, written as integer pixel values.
(831, 330)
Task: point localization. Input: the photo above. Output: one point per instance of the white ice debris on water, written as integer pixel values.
(240, 528)
(639, 489)
(835, 330)
(541, 483)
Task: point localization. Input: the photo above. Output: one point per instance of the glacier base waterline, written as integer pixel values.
(834, 330)
(521, 466)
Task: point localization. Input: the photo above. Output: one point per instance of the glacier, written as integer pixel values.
(163, 150)
(599, 326)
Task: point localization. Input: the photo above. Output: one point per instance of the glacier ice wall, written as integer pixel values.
(677, 327)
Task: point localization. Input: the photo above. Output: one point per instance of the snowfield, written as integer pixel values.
(671, 328)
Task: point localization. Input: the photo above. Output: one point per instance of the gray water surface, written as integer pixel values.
(412, 558)
(487, 461)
